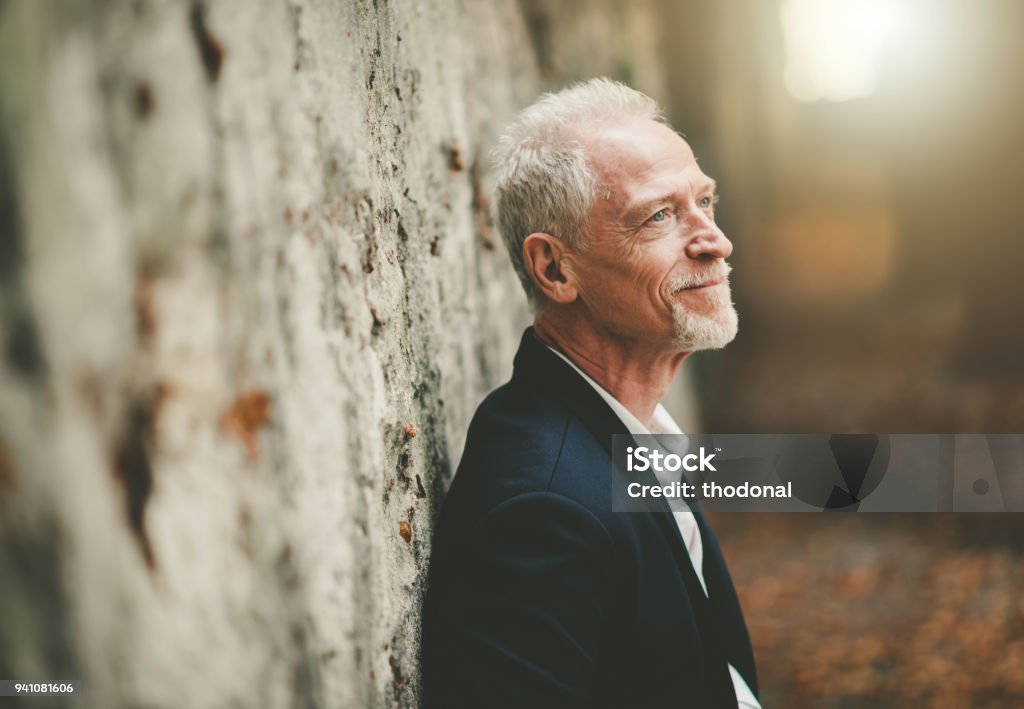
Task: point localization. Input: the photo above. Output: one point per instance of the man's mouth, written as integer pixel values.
(705, 284)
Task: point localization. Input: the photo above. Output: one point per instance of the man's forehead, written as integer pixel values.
(641, 160)
(636, 146)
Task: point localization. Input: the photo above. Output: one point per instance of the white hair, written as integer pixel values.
(543, 181)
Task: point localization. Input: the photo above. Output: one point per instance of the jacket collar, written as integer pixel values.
(536, 364)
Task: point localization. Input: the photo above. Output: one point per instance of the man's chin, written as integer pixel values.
(706, 332)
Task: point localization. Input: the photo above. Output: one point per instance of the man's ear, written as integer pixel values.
(544, 256)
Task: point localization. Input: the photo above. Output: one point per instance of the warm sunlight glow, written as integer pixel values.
(835, 48)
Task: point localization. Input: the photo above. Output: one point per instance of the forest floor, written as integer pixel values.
(872, 610)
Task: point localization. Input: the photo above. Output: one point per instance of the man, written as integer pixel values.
(539, 594)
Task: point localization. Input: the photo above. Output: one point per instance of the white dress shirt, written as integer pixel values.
(662, 422)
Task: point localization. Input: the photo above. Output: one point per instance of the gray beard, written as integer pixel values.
(696, 331)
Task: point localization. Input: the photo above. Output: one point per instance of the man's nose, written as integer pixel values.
(707, 241)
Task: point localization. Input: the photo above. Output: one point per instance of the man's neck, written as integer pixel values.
(635, 375)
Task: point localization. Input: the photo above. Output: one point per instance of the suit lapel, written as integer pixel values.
(537, 363)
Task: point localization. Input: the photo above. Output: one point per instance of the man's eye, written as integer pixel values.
(706, 202)
(659, 216)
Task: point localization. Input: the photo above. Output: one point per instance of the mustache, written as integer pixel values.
(713, 272)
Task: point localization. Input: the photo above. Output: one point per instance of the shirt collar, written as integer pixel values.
(661, 419)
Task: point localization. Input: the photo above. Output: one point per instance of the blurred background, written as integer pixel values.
(869, 155)
(251, 293)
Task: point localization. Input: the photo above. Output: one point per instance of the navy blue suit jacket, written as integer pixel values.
(540, 596)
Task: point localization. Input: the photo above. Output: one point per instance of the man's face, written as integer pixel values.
(654, 270)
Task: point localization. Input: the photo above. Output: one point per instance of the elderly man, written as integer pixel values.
(540, 595)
